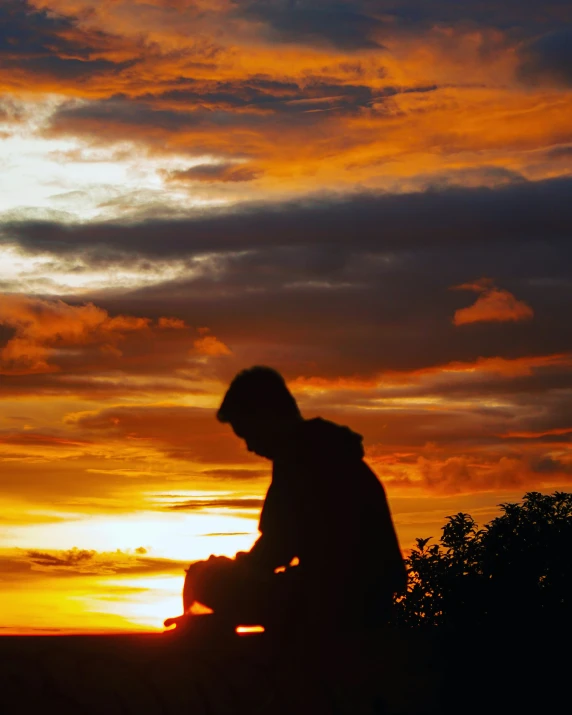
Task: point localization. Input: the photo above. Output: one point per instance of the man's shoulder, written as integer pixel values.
(318, 438)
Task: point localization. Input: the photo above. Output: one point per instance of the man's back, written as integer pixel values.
(327, 508)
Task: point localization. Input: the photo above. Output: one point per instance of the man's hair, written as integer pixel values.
(258, 392)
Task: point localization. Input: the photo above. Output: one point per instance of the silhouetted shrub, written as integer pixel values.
(516, 570)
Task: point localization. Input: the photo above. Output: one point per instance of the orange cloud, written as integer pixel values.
(180, 432)
(211, 347)
(556, 432)
(32, 439)
(505, 367)
(44, 327)
(466, 474)
(493, 305)
(171, 323)
(307, 114)
(388, 379)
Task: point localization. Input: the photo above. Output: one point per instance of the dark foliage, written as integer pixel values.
(517, 569)
(496, 603)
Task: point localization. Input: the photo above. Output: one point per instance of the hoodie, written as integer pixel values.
(328, 509)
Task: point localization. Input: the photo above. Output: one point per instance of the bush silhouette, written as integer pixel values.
(515, 570)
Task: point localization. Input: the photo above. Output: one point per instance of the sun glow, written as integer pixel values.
(69, 180)
(142, 602)
(107, 588)
(172, 535)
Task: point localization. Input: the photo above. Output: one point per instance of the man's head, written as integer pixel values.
(260, 409)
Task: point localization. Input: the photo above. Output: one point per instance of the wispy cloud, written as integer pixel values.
(35, 564)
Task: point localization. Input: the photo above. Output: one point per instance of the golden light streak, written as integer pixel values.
(249, 630)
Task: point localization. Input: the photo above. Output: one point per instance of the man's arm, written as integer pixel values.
(276, 545)
(268, 553)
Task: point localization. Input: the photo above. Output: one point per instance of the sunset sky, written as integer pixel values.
(373, 197)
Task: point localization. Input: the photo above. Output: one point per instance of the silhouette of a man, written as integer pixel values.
(327, 555)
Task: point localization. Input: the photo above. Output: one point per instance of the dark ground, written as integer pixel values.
(390, 673)
(212, 674)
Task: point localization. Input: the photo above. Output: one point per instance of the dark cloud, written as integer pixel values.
(120, 111)
(517, 382)
(73, 557)
(212, 173)
(218, 503)
(365, 24)
(549, 465)
(6, 334)
(380, 265)
(36, 564)
(559, 152)
(483, 409)
(523, 213)
(547, 59)
(48, 44)
(346, 25)
(262, 92)
(255, 103)
(509, 15)
(235, 474)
